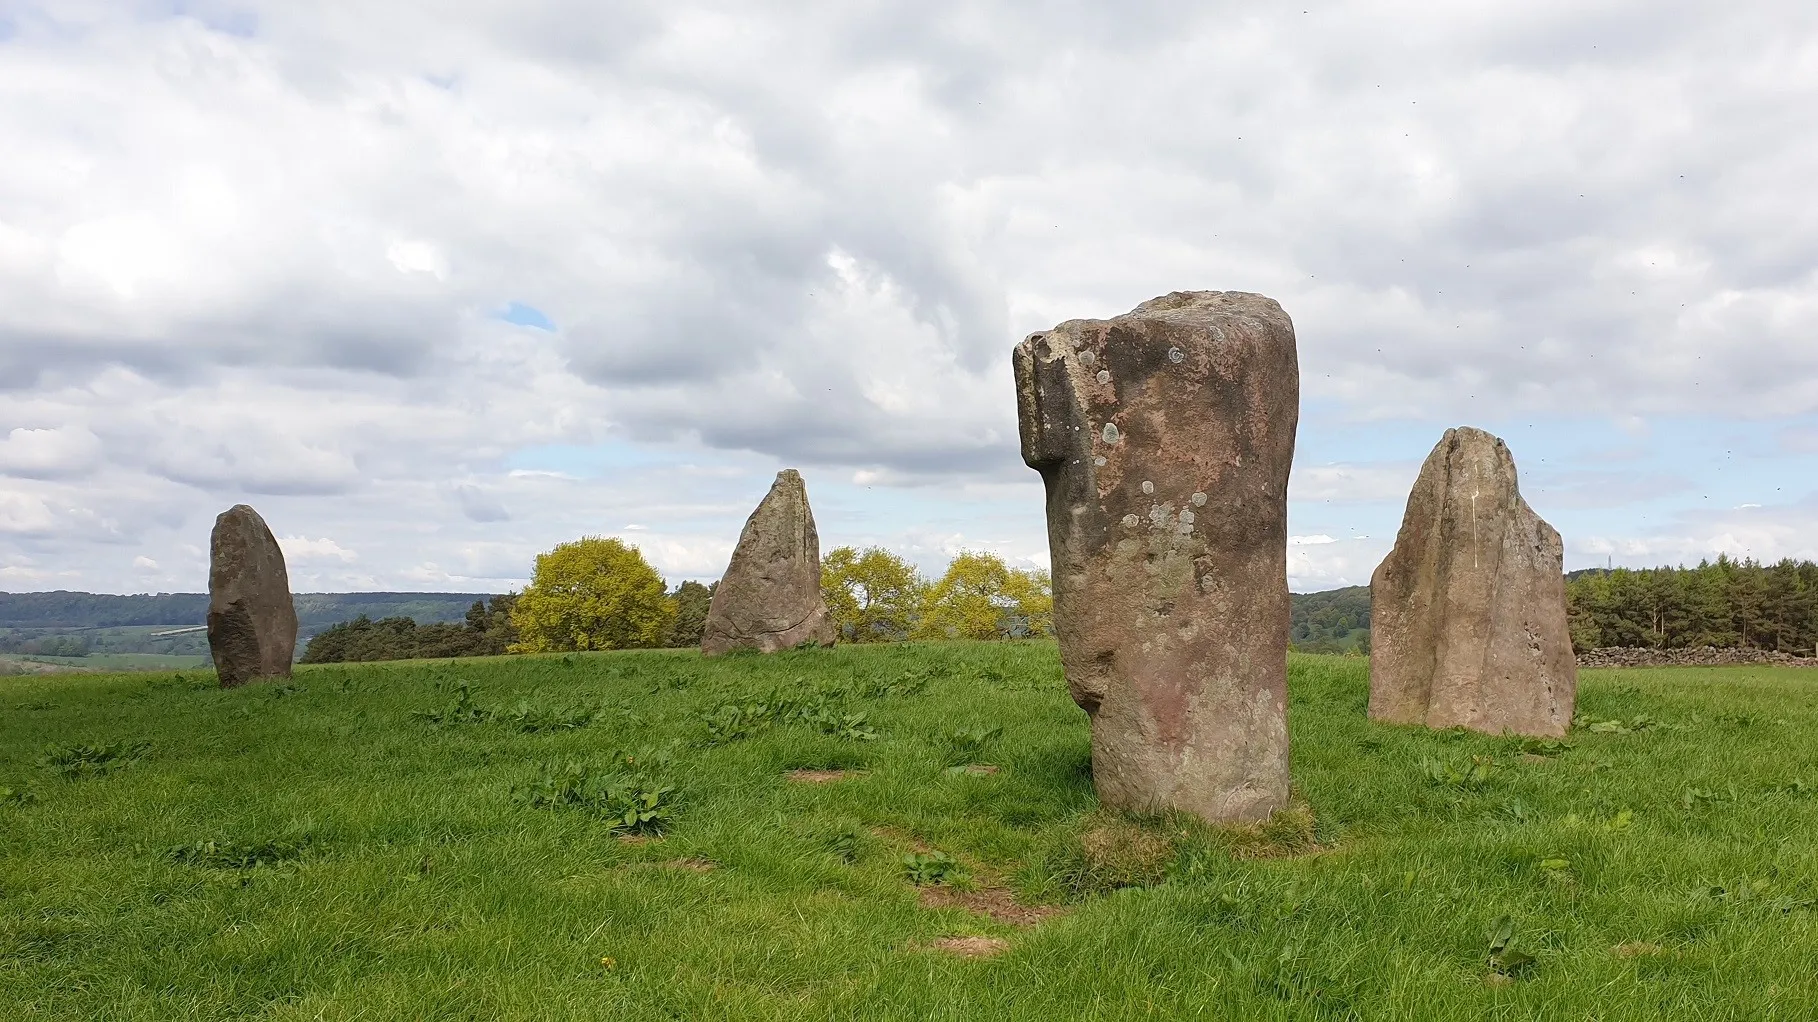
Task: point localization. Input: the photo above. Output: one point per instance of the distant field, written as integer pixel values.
(377, 842)
(14, 663)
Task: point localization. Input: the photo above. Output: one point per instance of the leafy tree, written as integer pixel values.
(593, 593)
(691, 601)
(873, 595)
(980, 597)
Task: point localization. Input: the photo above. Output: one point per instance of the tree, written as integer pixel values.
(980, 597)
(593, 593)
(691, 601)
(873, 596)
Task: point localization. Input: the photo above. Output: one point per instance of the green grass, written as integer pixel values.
(366, 843)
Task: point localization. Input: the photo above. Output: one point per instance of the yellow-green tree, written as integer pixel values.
(873, 595)
(593, 593)
(980, 597)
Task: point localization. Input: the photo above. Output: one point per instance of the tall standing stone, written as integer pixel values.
(770, 597)
(1164, 437)
(252, 623)
(1468, 612)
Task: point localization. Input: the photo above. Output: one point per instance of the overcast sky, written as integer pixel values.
(437, 286)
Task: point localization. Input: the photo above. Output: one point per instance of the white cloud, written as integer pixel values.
(304, 549)
(262, 257)
(1353, 483)
(49, 453)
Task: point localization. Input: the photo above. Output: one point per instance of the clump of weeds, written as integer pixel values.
(631, 803)
(75, 762)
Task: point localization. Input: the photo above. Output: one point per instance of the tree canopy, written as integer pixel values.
(980, 597)
(1721, 603)
(594, 593)
(873, 595)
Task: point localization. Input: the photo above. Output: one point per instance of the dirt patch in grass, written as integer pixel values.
(971, 947)
(691, 865)
(975, 769)
(895, 836)
(995, 902)
(1637, 949)
(822, 776)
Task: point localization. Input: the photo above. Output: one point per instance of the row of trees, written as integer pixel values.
(36, 643)
(598, 593)
(1723, 603)
(487, 631)
(876, 596)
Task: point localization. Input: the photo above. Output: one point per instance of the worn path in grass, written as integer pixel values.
(374, 842)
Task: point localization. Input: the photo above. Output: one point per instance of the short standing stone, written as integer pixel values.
(1167, 527)
(252, 623)
(1468, 612)
(770, 597)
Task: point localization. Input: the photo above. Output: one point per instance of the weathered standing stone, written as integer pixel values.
(770, 597)
(1468, 612)
(252, 624)
(1164, 437)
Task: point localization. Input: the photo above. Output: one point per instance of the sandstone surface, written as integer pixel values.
(1164, 438)
(1468, 611)
(770, 597)
(252, 623)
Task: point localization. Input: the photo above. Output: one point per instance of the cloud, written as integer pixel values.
(348, 263)
(1762, 533)
(49, 453)
(303, 549)
(1353, 483)
(1605, 489)
(479, 505)
(1799, 439)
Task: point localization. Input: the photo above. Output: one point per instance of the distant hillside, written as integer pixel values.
(315, 611)
(1334, 621)
(94, 625)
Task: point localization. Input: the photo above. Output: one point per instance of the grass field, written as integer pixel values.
(375, 842)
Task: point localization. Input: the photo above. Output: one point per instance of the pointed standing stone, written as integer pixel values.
(1468, 612)
(252, 623)
(1164, 437)
(770, 597)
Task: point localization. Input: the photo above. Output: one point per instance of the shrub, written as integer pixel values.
(78, 761)
(629, 803)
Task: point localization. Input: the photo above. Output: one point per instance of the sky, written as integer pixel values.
(436, 287)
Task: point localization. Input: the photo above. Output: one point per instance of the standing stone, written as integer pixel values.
(770, 597)
(252, 624)
(1468, 612)
(1164, 437)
